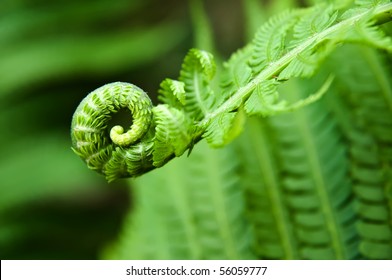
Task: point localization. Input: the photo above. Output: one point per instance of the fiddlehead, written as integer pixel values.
(111, 151)
(156, 135)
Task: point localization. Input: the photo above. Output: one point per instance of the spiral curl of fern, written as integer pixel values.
(156, 135)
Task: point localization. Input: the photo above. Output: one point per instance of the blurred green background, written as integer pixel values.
(52, 53)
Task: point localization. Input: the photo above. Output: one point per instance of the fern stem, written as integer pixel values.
(277, 66)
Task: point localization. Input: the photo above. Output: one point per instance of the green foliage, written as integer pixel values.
(191, 209)
(367, 103)
(291, 44)
(197, 71)
(303, 113)
(318, 190)
(314, 183)
(266, 207)
(176, 133)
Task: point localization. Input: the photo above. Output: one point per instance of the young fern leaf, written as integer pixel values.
(317, 189)
(115, 154)
(264, 100)
(172, 93)
(128, 161)
(157, 133)
(197, 71)
(236, 74)
(270, 59)
(320, 18)
(305, 64)
(224, 128)
(172, 134)
(228, 125)
(270, 40)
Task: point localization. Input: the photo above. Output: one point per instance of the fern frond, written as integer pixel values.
(102, 150)
(305, 64)
(371, 181)
(172, 135)
(317, 20)
(264, 100)
(367, 103)
(236, 74)
(172, 93)
(219, 205)
(197, 71)
(266, 206)
(285, 47)
(132, 161)
(200, 215)
(270, 40)
(365, 31)
(224, 128)
(272, 58)
(318, 193)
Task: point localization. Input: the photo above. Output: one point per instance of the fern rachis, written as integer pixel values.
(266, 207)
(275, 67)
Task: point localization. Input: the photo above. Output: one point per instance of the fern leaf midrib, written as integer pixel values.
(198, 93)
(320, 184)
(263, 155)
(175, 121)
(215, 186)
(275, 67)
(182, 206)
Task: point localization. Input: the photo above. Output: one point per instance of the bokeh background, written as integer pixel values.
(52, 54)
